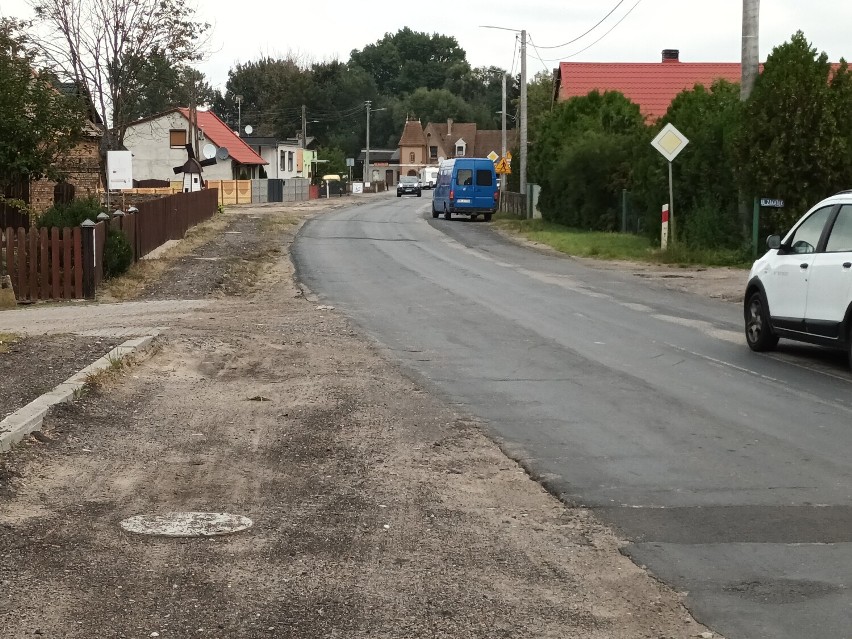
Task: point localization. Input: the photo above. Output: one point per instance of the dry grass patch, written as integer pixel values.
(6, 340)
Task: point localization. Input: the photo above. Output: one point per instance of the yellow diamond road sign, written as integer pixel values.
(492, 156)
(669, 142)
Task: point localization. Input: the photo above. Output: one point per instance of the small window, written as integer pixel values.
(464, 177)
(177, 138)
(806, 237)
(840, 240)
(460, 150)
(433, 152)
(411, 157)
(281, 160)
(290, 155)
(483, 178)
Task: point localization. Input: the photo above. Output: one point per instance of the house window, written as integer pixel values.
(283, 154)
(290, 155)
(411, 157)
(433, 152)
(177, 138)
(460, 150)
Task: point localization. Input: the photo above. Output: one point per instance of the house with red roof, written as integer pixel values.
(651, 85)
(421, 146)
(158, 144)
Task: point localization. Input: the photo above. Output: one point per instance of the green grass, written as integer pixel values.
(615, 246)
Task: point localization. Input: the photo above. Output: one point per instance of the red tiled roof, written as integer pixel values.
(651, 85)
(221, 135)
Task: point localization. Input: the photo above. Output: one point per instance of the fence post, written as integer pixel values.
(624, 210)
(90, 259)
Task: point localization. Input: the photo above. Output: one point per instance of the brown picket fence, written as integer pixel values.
(59, 264)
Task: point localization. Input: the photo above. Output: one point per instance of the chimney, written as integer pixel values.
(449, 127)
(671, 55)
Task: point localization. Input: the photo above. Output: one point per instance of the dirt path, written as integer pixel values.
(378, 511)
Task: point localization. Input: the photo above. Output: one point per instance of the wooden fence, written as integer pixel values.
(64, 264)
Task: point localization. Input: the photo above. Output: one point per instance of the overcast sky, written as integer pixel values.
(634, 32)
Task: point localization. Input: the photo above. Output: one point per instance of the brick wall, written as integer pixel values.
(82, 165)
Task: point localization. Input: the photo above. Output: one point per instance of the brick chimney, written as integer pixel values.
(671, 55)
(449, 127)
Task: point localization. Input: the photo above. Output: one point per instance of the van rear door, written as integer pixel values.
(484, 184)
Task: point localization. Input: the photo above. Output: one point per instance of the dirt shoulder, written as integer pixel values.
(378, 509)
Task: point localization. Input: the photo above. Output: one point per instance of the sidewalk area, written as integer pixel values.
(377, 509)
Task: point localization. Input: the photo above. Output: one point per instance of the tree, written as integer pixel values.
(789, 145)
(164, 85)
(39, 123)
(408, 60)
(104, 46)
(582, 158)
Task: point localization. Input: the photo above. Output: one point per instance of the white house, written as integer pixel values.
(158, 144)
(284, 159)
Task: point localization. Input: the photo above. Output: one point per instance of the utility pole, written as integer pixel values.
(304, 128)
(750, 49)
(503, 138)
(367, 154)
(524, 116)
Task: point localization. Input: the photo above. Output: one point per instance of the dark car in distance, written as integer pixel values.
(409, 184)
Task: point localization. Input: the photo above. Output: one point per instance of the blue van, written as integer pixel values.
(466, 186)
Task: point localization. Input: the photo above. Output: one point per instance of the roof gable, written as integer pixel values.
(412, 134)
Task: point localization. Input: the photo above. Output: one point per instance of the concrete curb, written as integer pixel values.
(29, 418)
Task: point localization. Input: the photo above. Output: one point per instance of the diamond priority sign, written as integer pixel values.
(669, 142)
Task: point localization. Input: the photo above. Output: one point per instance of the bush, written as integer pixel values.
(71, 214)
(118, 256)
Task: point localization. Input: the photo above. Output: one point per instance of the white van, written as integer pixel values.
(429, 177)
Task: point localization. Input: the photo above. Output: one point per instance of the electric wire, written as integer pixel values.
(579, 37)
(576, 53)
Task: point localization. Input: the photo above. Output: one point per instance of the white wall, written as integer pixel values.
(154, 159)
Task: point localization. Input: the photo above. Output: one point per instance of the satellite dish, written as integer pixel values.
(222, 153)
(249, 129)
(209, 151)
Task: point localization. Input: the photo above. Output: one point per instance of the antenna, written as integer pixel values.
(222, 153)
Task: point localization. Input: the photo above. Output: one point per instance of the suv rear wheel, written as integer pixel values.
(758, 332)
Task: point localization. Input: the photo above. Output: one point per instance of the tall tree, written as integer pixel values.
(164, 85)
(105, 45)
(790, 146)
(407, 60)
(39, 123)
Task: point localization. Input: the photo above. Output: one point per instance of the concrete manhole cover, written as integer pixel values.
(187, 524)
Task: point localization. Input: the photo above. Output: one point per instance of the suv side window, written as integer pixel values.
(840, 239)
(806, 237)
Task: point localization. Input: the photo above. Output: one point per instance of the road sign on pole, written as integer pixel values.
(669, 142)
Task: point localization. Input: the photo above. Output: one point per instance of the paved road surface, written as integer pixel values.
(729, 472)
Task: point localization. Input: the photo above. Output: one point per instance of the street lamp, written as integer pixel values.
(367, 175)
(523, 170)
(239, 99)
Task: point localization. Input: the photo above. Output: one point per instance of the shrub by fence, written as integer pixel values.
(62, 264)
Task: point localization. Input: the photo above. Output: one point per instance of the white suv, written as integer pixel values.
(802, 288)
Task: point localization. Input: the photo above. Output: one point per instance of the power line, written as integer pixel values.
(565, 44)
(576, 53)
(538, 55)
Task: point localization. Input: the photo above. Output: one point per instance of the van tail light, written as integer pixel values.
(452, 195)
(496, 196)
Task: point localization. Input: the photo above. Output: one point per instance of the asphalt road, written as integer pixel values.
(729, 472)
